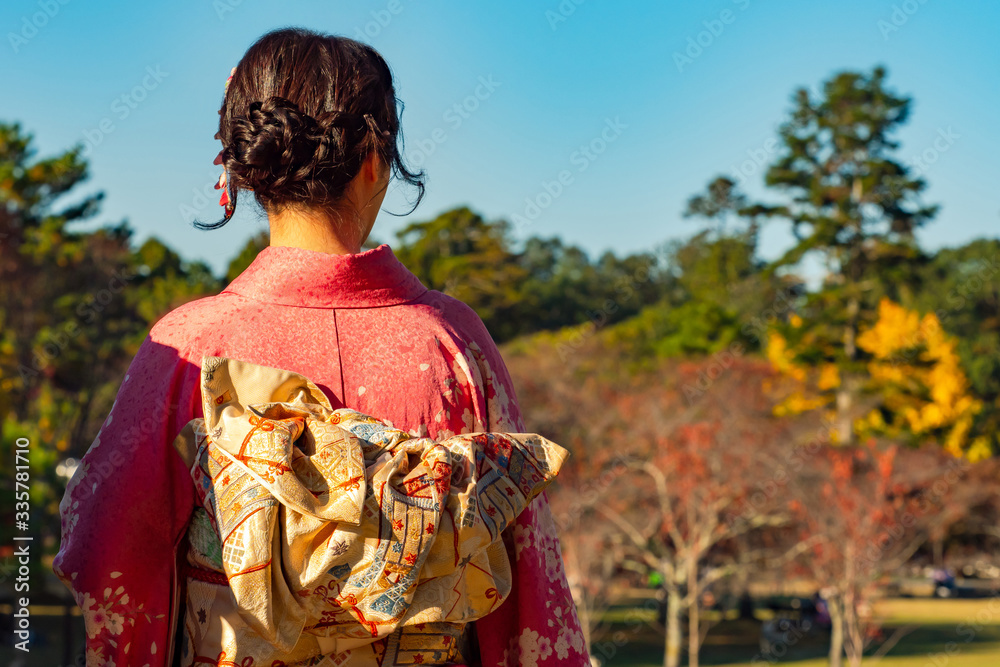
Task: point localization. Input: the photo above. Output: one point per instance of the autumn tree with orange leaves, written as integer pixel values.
(693, 467)
(867, 510)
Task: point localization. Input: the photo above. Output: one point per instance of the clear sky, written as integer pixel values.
(551, 77)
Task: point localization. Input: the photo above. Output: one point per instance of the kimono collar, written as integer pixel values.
(312, 279)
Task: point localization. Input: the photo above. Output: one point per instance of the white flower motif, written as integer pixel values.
(522, 539)
(578, 643)
(533, 647)
(115, 624)
(87, 603)
(95, 619)
(78, 477)
(105, 620)
(569, 637)
(562, 646)
(70, 519)
(553, 564)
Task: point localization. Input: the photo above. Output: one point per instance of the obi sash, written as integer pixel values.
(326, 536)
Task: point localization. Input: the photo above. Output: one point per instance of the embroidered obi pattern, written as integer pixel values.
(327, 537)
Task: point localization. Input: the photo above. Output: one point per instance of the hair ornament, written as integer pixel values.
(374, 126)
(224, 200)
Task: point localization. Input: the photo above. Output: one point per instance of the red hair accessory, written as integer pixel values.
(224, 200)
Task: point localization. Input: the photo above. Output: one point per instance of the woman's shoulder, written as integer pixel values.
(471, 334)
(184, 326)
(489, 372)
(456, 314)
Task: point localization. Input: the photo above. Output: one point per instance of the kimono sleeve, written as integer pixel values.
(537, 624)
(125, 510)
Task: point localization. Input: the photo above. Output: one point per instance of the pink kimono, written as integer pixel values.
(375, 340)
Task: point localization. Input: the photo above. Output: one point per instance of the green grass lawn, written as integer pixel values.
(940, 633)
(967, 629)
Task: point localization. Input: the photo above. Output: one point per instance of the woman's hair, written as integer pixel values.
(302, 112)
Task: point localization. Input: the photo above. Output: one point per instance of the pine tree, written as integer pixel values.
(852, 204)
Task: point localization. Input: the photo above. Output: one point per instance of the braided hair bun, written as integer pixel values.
(302, 113)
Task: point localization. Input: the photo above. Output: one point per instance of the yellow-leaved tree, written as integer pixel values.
(915, 388)
(918, 376)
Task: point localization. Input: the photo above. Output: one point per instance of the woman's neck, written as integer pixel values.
(297, 229)
(336, 233)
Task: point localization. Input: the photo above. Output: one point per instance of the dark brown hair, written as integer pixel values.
(301, 114)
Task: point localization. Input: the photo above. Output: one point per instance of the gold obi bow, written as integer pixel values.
(336, 528)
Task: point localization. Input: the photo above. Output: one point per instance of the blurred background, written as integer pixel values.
(741, 258)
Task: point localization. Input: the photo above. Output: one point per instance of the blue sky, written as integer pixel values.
(549, 83)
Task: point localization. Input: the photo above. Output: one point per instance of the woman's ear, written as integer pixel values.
(370, 168)
(375, 170)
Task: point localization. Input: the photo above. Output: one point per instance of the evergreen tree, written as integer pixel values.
(852, 204)
(74, 307)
